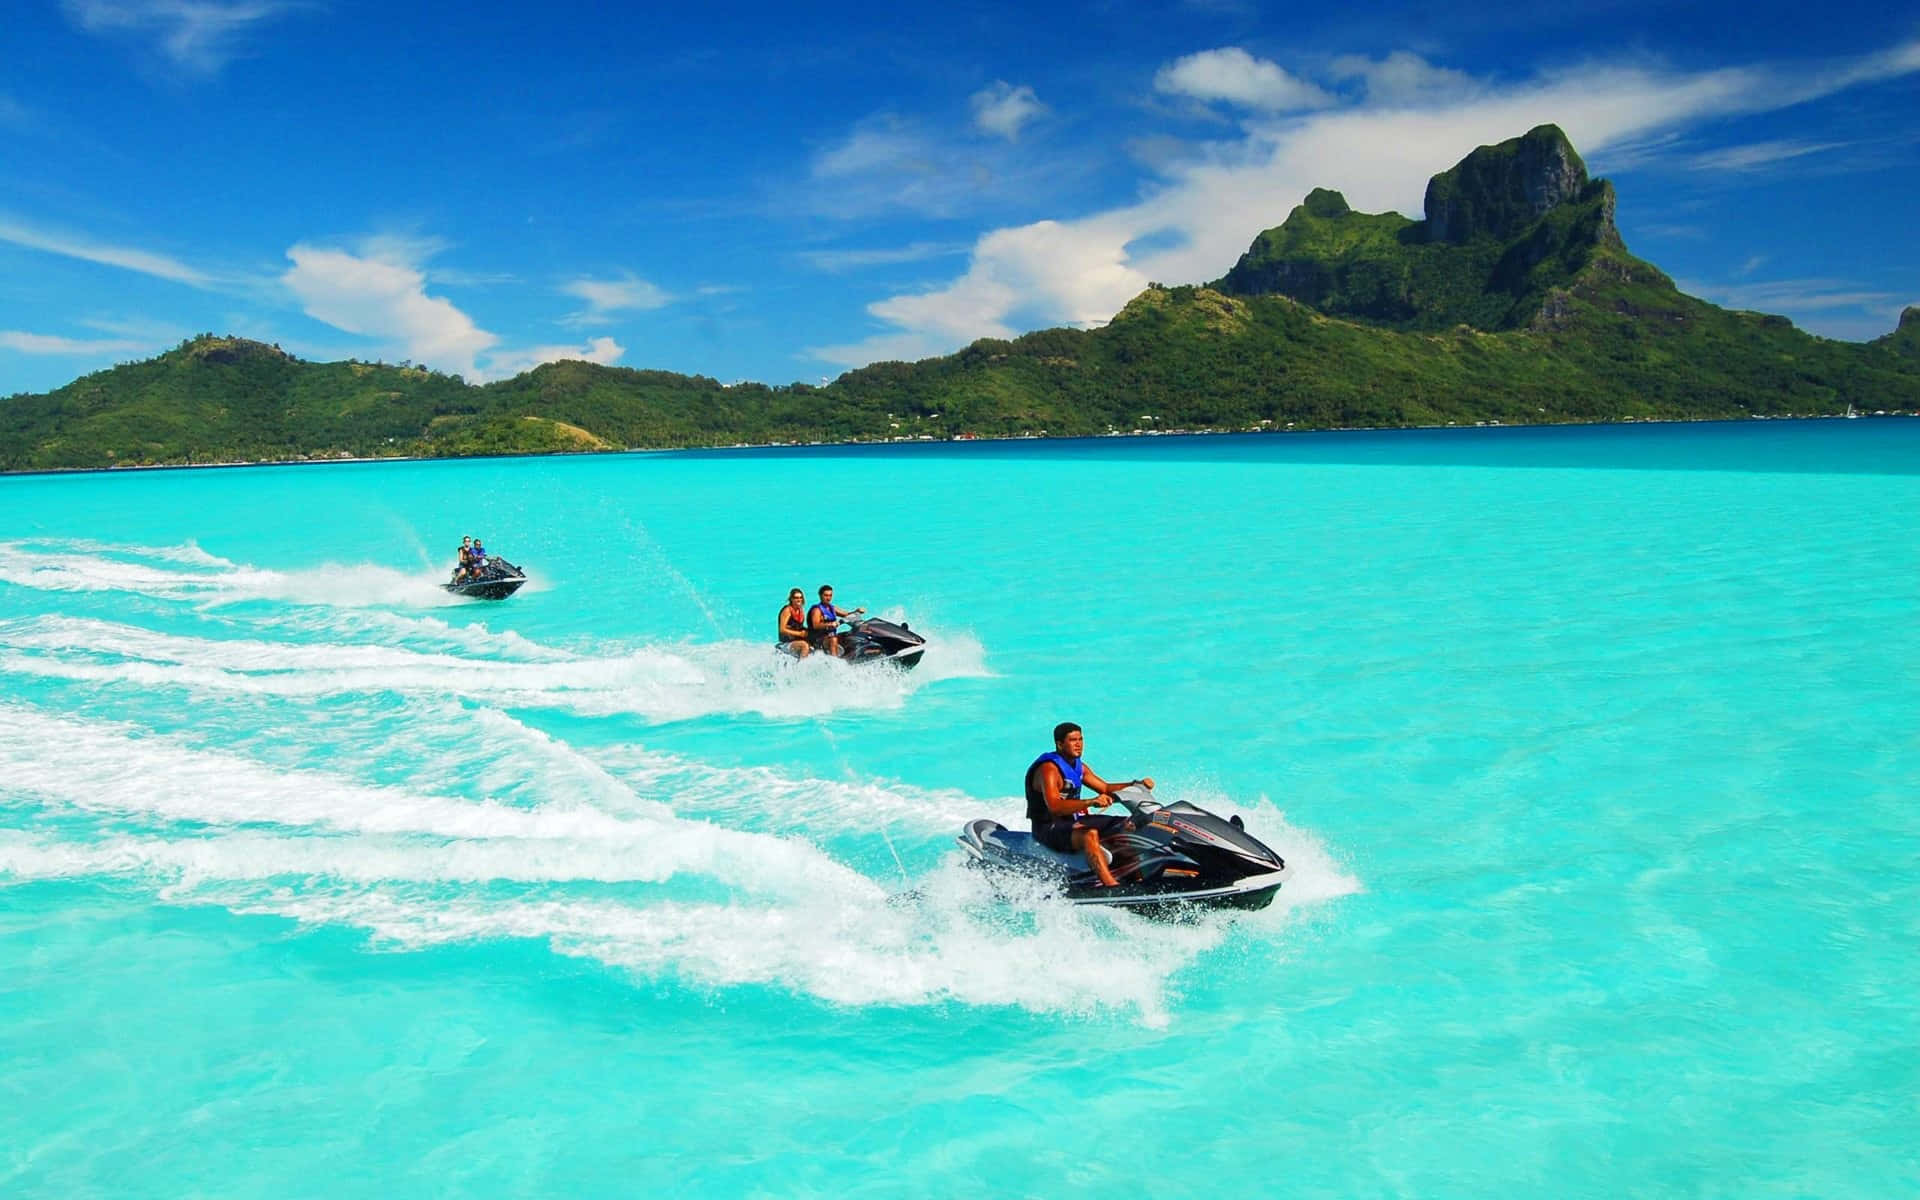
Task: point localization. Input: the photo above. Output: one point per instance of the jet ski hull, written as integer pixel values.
(905, 660)
(486, 589)
(876, 640)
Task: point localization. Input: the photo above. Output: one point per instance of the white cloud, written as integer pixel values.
(200, 36)
(882, 143)
(1208, 208)
(1001, 109)
(380, 292)
(1072, 269)
(43, 343)
(1788, 296)
(887, 164)
(1758, 154)
(606, 297)
(853, 260)
(884, 165)
(72, 246)
(1230, 75)
(1403, 78)
(387, 299)
(602, 350)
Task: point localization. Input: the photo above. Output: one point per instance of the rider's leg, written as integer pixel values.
(1088, 841)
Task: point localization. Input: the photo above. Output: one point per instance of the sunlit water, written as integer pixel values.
(1594, 752)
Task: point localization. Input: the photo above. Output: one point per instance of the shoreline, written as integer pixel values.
(1478, 426)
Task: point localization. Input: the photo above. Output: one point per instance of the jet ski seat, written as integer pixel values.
(1028, 846)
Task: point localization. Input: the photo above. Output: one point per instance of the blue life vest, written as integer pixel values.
(1072, 771)
(830, 615)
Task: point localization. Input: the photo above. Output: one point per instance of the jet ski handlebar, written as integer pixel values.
(1137, 799)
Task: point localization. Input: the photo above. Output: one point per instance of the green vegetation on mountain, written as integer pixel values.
(1906, 339)
(1514, 301)
(1503, 229)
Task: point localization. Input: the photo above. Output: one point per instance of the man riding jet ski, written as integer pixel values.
(1159, 858)
(483, 576)
(868, 640)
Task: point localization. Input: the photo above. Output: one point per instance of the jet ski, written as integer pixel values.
(1167, 858)
(875, 640)
(495, 581)
(872, 640)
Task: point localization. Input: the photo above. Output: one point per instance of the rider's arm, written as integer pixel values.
(1088, 778)
(1056, 785)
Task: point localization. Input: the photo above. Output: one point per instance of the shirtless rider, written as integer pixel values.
(1060, 816)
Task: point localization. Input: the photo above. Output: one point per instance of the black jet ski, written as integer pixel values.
(875, 640)
(495, 581)
(1167, 857)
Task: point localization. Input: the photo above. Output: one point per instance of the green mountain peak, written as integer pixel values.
(1505, 229)
(1905, 339)
(1499, 191)
(1325, 203)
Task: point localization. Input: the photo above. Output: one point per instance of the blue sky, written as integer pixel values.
(784, 192)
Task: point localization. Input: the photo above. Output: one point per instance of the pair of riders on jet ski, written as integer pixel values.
(816, 628)
(1060, 815)
(473, 560)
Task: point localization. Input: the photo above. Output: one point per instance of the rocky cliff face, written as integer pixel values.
(1505, 228)
(1905, 340)
(1498, 191)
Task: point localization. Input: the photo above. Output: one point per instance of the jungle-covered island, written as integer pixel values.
(1514, 301)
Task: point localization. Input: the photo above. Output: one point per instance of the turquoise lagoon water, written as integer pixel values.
(1594, 752)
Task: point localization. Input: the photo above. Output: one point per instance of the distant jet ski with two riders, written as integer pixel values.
(863, 642)
(483, 576)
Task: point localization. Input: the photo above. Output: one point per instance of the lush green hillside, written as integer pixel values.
(1513, 301)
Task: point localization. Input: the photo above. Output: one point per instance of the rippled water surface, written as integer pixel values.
(1593, 750)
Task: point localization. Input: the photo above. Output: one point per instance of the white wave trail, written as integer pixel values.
(187, 552)
(192, 863)
(659, 684)
(390, 628)
(416, 872)
(744, 795)
(161, 573)
(106, 768)
(952, 944)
